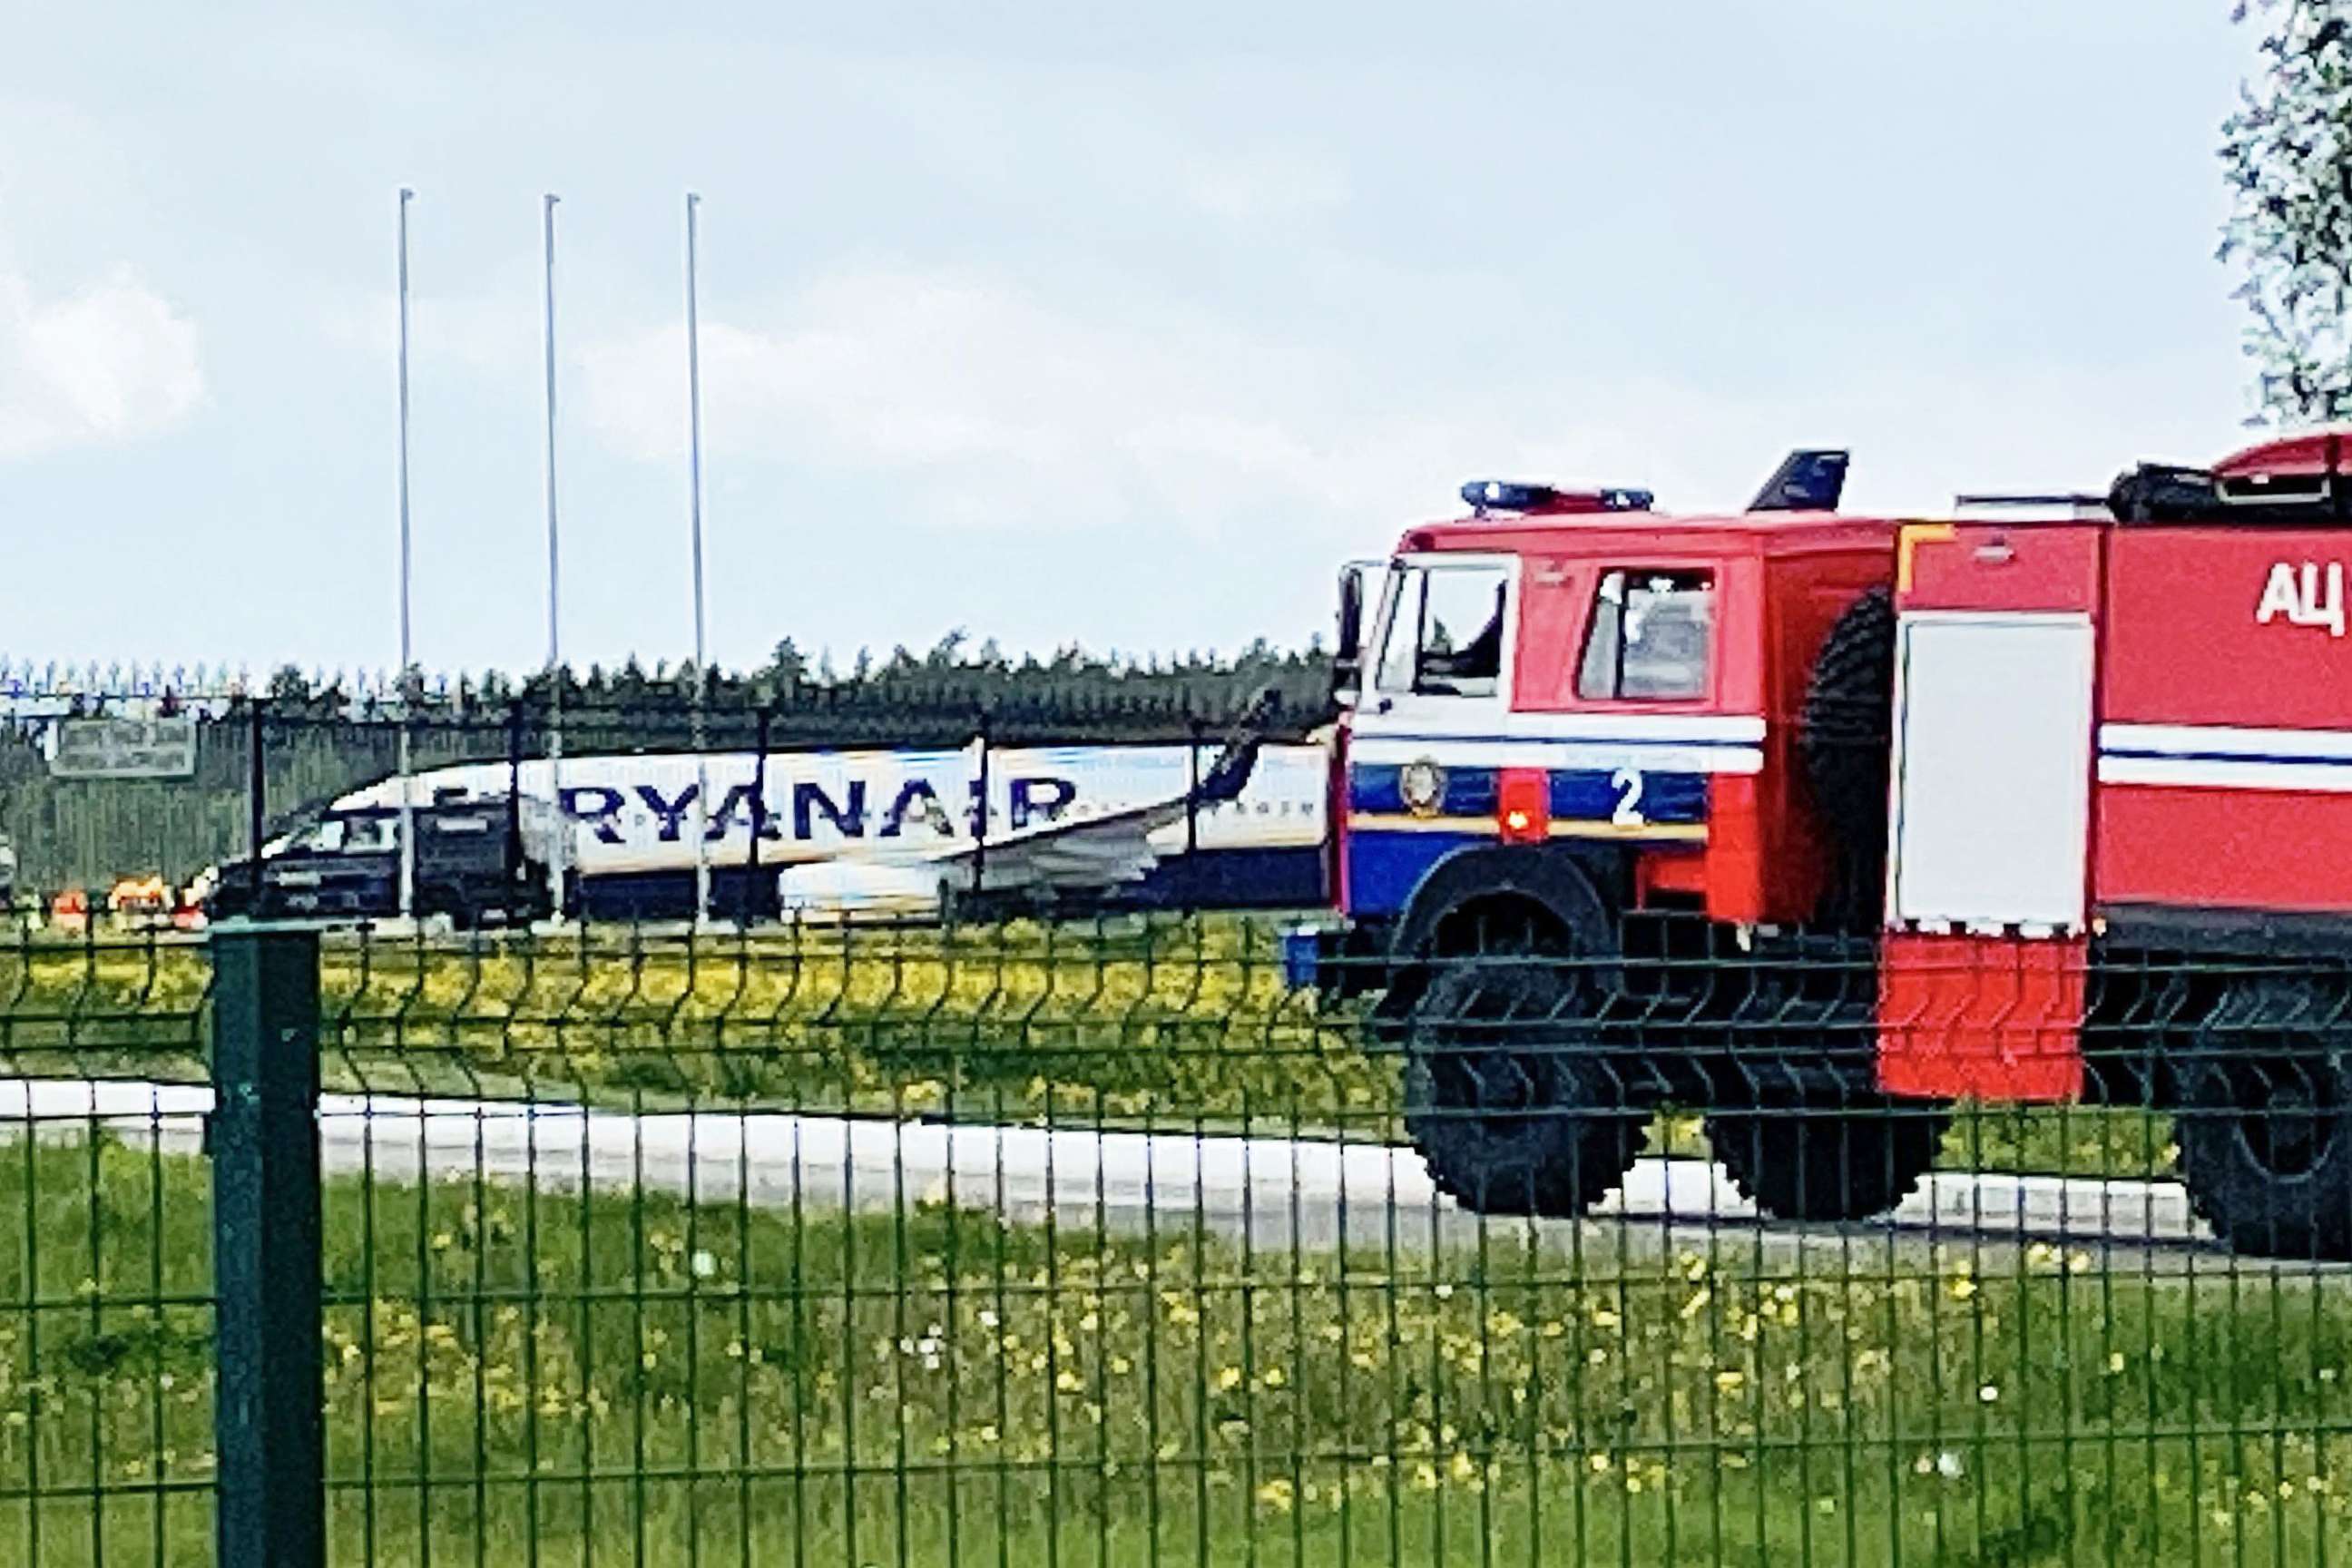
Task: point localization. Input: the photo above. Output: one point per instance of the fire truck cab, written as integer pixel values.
(1820, 823)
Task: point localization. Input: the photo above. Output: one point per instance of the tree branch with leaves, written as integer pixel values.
(2288, 153)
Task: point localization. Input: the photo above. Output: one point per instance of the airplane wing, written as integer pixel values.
(1069, 854)
(1092, 853)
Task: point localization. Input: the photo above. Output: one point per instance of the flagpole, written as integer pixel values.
(694, 504)
(555, 870)
(407, 653)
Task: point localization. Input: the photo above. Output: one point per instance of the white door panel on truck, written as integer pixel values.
(1992, 770)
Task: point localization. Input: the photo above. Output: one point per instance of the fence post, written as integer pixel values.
(982, 726)
(1196, 728)
(257, 804)
(269, 1420)
(756, 896)
(515, 870)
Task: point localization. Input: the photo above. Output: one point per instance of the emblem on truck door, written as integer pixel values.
(2304, 598)
(1422, 785)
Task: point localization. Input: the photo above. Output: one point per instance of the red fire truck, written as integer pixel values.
(1820, 824)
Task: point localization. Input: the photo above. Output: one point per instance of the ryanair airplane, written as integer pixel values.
(906, 832)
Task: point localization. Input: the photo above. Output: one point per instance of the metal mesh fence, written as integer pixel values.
(1103, 1243)
(72, 833)
(106, 1283)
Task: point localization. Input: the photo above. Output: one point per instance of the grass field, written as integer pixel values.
(1172, 1026)
(516, 1377)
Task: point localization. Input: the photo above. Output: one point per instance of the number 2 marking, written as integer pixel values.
(1629, 803)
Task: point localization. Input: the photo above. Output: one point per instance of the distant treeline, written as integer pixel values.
(318, 739)
(953, 674)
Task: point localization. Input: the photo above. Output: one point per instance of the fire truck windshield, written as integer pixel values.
(1443, 631)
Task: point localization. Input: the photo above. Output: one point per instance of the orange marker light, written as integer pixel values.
(1523, 805)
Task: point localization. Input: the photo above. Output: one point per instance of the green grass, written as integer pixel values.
(1173, 1025)
(605, 1377)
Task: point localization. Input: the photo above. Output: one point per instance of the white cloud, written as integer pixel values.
(111, 364)
(490, 333)
(1001, 409)
(985, 406)
(1263, 183)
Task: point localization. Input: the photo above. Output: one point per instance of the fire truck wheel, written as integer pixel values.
(1844, 728)
(1806, 1163)
(2265, 1122)
(1512, 1115)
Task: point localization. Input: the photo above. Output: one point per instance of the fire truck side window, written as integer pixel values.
(1650, 637)
(1446, 632)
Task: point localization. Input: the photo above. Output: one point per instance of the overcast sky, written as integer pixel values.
(1042, 324)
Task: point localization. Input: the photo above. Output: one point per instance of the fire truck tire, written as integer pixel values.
(1845, 727)
(1512, 1116)
(2264, 1122)
(1850, 1163)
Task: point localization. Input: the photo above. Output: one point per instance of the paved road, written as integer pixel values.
(1276, 1192)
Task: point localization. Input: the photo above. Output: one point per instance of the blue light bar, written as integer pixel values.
(1501, 495)
(1496, 496)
